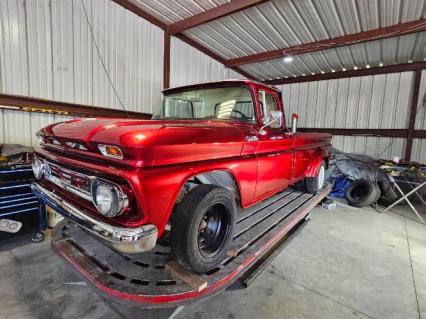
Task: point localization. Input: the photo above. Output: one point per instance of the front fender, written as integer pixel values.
(161, 185)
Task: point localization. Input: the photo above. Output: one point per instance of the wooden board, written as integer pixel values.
(195, 281)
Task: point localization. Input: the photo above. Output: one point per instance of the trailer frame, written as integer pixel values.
(143, 280)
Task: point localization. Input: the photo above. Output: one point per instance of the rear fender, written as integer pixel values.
(317, 157)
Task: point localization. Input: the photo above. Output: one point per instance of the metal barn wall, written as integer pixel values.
(419, 145)
(188, 66)
(379, 101)
(46, 51)
(17, 127)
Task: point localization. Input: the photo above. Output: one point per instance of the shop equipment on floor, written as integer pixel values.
(16, 198)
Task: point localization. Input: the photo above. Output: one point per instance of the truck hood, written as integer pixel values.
(153, 142)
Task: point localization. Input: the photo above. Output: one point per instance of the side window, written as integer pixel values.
(267, 104)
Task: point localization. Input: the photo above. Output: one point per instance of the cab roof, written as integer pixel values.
(231, 82)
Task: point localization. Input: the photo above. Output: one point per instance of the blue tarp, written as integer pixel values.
(340, 185)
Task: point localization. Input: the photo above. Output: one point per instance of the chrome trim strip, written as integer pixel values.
(128, 240)
(64, 184)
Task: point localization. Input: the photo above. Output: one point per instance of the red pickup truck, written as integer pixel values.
(212, 149)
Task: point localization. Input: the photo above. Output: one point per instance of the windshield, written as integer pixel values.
(230, 103)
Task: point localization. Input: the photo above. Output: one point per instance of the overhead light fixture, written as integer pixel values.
(322, 72)
(288, 59)
(355, 68)
(343, 69)
(381, 64)
(333, 70)
(367, 66)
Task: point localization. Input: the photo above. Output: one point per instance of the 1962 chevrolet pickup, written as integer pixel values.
(213, 147)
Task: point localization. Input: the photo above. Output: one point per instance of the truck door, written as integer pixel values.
(274, 149)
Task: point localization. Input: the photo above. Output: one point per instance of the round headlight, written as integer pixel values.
(38, 168)
(107, 198)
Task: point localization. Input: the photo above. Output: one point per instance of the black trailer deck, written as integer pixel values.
(142, 280)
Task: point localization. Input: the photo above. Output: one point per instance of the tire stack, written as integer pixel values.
(362, 193)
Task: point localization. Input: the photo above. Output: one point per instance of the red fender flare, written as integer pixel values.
(317, 158)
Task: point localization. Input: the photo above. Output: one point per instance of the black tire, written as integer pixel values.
(361, 193)
(203, 227)
(300, 186)
(387, 190)
(317, 183)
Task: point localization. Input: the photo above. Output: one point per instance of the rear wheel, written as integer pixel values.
(203, 227)
(317, 183)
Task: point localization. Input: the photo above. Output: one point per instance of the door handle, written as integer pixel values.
(251, 138)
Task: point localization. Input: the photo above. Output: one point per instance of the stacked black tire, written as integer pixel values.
(362, 193)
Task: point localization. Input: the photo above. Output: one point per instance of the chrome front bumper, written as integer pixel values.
(126, 240)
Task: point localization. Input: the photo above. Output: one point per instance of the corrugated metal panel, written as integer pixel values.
(17, 127)
(172, 11)
(379, 101)
(188, 66)
(39, 43)
(382, 147)
(419, 151)
(421, 106)
(388, 51)
(13, 48)
(419, 145)
(284, 23)
(46, 51)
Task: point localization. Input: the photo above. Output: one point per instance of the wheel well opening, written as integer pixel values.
(326, 160)
(218, 177)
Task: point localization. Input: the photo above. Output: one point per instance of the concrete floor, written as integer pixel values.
(347, 263)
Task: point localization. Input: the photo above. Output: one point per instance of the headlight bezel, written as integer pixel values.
(120, 199)
(39, 174)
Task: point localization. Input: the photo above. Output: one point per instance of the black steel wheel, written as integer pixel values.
(213, 229)
(202, 227)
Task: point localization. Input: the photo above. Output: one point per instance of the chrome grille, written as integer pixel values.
(74, 182)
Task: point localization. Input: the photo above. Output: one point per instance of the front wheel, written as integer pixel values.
(203, 227)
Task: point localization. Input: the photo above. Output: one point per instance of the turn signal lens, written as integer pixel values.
(110, 151)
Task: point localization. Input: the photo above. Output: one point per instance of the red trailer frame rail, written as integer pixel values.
(141, 280)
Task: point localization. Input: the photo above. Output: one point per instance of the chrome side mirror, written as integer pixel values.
(294, 119)
(275, 121)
